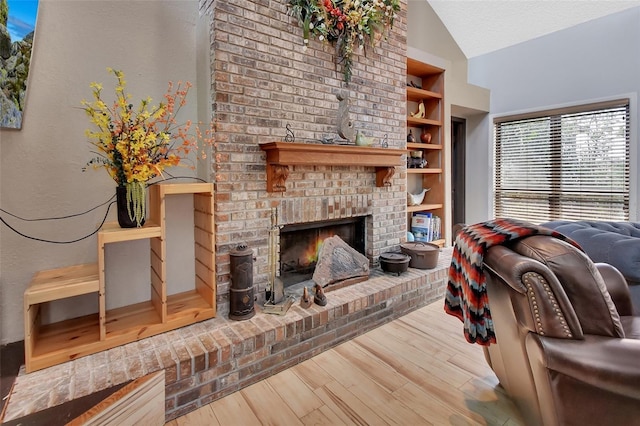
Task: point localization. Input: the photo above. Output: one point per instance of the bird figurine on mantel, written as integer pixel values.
(361, 140)
(420, 113)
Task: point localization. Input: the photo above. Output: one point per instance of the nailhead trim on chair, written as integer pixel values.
(552, 300)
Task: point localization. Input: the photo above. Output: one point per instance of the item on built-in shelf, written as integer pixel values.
(426, 227)
(420, 113)
(416, 199)
(412, 84)
(410, 137)
(410, 237)
(395, 263)
(423, 255)
(415, 160)
(425, 137)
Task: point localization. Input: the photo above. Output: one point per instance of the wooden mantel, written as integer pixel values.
(281, 155)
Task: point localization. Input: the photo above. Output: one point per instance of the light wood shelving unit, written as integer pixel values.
(51, 344)
(430, 80)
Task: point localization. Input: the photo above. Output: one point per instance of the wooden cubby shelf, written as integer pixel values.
(417, 122)
(426, 146)
(423, 207)
(414, 94)
(426, 170)
(55, 343)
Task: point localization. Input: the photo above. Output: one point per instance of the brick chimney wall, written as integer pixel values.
(262, 80)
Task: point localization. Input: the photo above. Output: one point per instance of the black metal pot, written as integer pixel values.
(395, 263)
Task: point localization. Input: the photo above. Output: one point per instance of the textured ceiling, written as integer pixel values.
(482, 26)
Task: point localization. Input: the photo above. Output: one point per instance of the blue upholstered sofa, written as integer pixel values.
(615, 243)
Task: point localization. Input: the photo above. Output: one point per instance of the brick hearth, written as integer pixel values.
(211, 359)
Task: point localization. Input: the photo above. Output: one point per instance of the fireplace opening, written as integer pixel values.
(301, 243)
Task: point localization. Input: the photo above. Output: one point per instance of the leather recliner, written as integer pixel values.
(568, 348)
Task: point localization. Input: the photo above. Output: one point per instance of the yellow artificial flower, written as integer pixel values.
(135, 146)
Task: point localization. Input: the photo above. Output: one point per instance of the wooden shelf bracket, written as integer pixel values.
(384, 175)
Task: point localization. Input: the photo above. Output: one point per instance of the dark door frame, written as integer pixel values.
(458, 165)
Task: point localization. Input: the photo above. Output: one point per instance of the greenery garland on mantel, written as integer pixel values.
(346, 24)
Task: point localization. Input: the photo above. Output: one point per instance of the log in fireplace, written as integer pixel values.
(300, 245)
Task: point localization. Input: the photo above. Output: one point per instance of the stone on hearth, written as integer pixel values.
(338, 261)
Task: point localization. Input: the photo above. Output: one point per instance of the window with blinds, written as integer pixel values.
(568, 164)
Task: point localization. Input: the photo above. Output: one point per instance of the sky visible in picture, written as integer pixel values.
(22, 18)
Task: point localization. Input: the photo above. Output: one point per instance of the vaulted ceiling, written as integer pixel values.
(483, 26)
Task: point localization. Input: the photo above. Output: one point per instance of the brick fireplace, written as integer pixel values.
(262, 81)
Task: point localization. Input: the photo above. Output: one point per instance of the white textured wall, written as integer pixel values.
(505, 23)
(41, 165)
(593, 61)
(428, 34)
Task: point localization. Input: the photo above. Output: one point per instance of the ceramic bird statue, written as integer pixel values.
(420, 113)
(416, 199)
(361, 140)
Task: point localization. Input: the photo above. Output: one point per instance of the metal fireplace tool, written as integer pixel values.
(277, 302)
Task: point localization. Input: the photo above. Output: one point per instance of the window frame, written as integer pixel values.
(634, 161)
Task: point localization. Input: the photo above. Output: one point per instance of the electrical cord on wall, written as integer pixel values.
(59, 217)
(55, 218)
(109, 201)
(176, 177)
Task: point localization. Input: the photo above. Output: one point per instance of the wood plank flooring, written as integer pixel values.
(416, 370)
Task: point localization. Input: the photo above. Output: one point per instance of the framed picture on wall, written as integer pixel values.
(17, 27)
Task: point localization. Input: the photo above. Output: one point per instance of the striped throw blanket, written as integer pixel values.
(466, 294)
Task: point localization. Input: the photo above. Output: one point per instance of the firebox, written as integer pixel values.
(300, 245)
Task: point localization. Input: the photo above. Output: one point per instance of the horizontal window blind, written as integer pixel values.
(564, 164)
